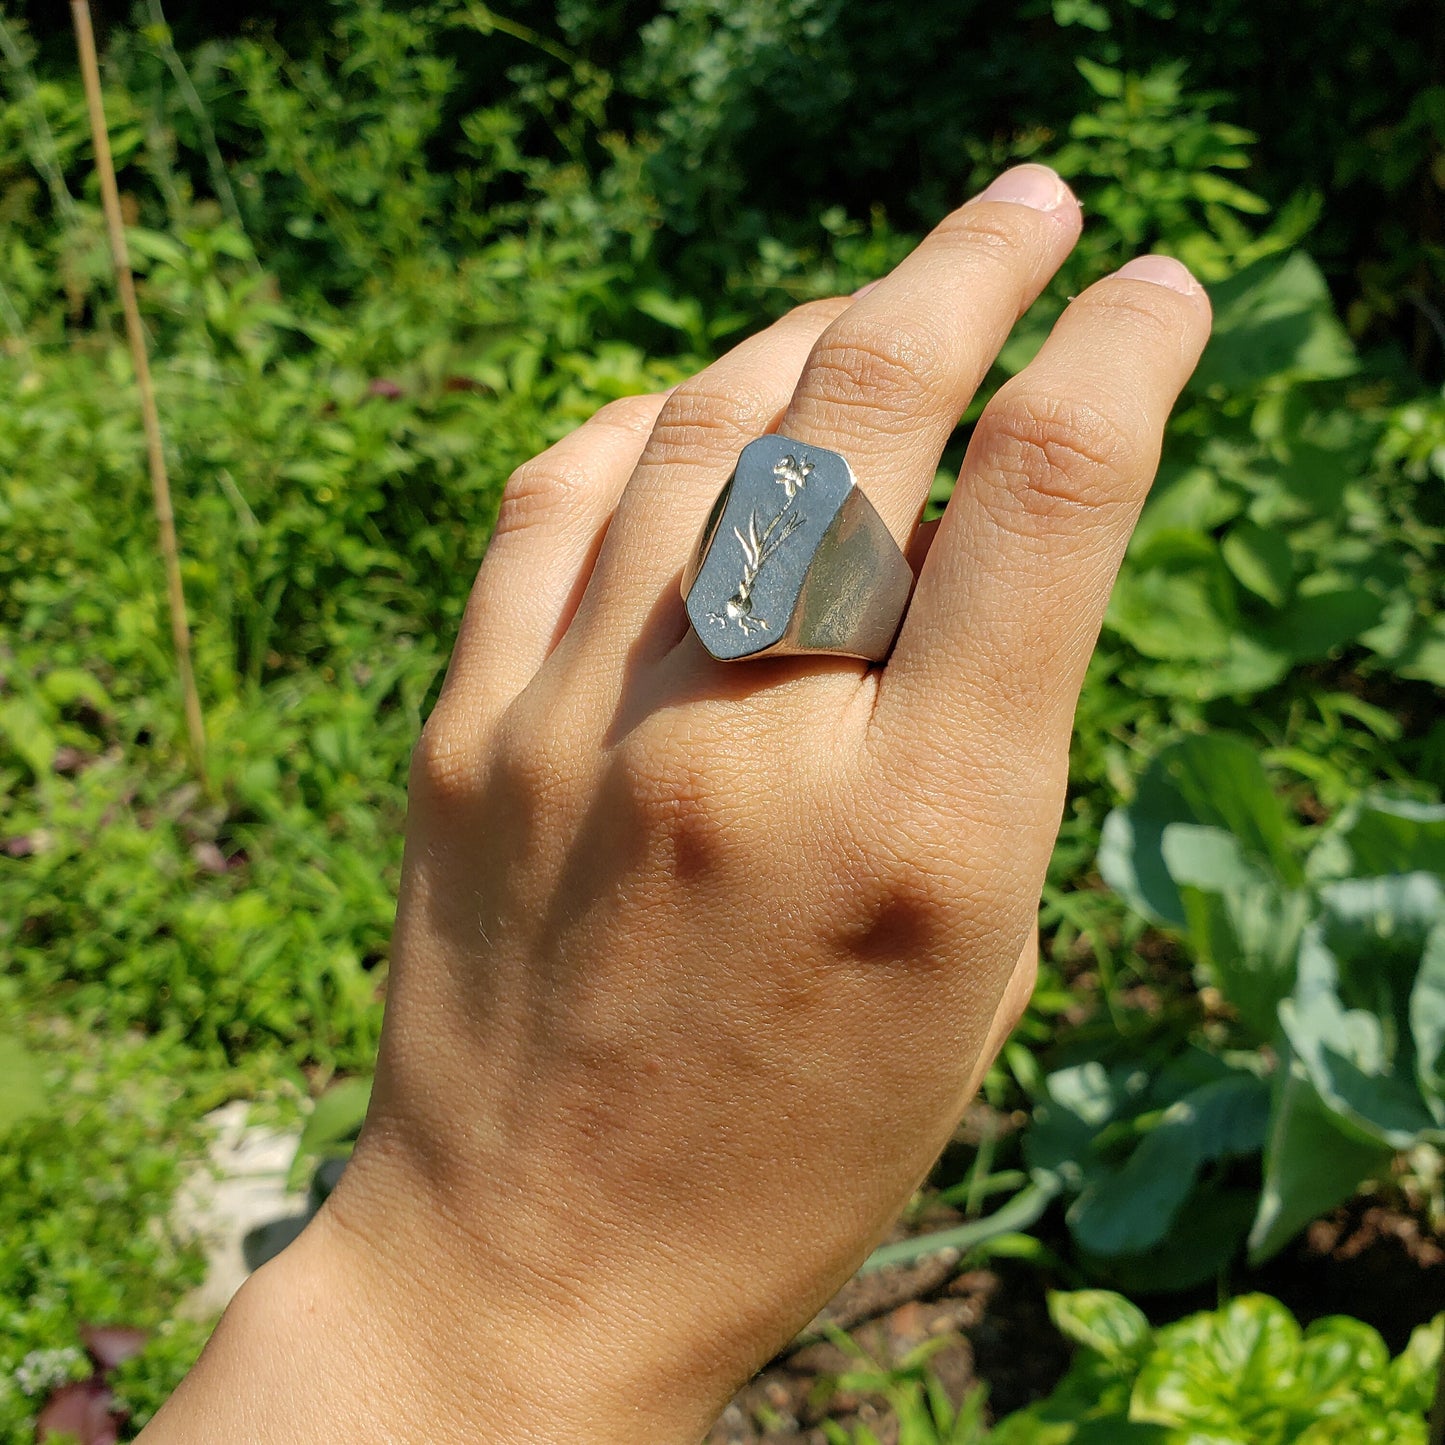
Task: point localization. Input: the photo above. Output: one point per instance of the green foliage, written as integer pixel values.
(92, 1136)
(1329, 946)
(1142, 1151)
(921, 1407)
(1246, 1374)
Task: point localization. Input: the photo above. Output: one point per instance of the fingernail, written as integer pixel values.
(1162, 271)
(864, 289)
(1029, 185)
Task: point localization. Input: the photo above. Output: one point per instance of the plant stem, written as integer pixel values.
(150, 417)
(1437, 1410)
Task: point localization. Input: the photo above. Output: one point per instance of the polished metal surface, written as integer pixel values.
(793, 558)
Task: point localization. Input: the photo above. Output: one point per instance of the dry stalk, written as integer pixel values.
(150, 416)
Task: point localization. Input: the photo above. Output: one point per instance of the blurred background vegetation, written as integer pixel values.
(386, 252)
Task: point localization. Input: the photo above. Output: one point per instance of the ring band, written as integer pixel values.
(794, 558)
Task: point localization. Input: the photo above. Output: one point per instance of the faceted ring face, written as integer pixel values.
(793, 559)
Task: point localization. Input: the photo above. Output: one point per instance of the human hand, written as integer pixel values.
(697, 965)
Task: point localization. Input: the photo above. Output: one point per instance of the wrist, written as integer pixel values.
(340, 1338)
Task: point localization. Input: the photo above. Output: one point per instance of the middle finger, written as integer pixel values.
(887, 382)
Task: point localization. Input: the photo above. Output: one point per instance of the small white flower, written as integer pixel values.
(42, 1370)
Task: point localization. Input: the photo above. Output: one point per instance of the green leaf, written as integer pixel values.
(1350, 1053)
(1184, 499)
(1318, 623)
(1206, 1241)
(1102, 80)
(1310, 1163)
(1423, 655)
(1174, 600)
(1393, 835)
(1427, 1021)
(1102, 1321)
(1413, 1373)
(30, 736)
(334, 1122)
(1274, 320)
(1213, 779)
(1260, 560)
(1133, 1208)
(1243, 926)
(1208, 1371)
(1337, 1351)
(65, 686)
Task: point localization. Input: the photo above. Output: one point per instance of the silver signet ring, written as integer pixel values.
(793, 558)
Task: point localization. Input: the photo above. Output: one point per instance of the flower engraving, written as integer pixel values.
(792, 475)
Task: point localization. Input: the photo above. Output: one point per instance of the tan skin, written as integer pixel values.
(697, 965)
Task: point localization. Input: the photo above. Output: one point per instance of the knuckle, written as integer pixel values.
(548, 486)
(634, 415)
(535, 752)
(992, 232)
(886, 370)
(1051, 457)
(444, 768)
(897, 899)
(679, 798)
(703, 417)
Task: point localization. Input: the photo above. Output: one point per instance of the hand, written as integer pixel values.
(697, 965)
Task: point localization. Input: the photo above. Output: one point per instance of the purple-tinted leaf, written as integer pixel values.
(84, 1410)
(112, 1345)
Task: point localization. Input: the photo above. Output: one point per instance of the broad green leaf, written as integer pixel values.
(1131, 860)
(1274, 319)
(1132, 1209)
(1207, 1238)
(29, 735)
(1175, 600)
(1102, 80)
(1212, 779)
(1102, 1321)
(1375, 930)
(1187, 499)
(1393, 835)
(1413, 1373)
(64, 686)
(1244, 927)
(1261, 561)
(1349, 1054)
(1311, 1164)
(1316, 624)
(1250, 664)
(333, 1124)
(1337, 1351)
